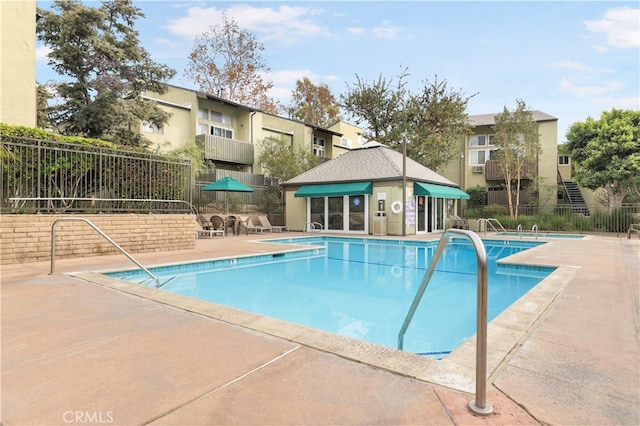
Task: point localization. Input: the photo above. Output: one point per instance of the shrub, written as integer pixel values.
(495, 210)
(477, 196)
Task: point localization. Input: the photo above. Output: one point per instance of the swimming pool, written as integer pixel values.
(360, 287)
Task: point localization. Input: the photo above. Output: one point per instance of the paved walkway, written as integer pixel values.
(95, 352)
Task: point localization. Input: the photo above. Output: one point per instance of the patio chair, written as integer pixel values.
(217, 223)
(204, 223)
(210, 232)
(232, 223)
(264, 221)
(254, 225)
(458, 222)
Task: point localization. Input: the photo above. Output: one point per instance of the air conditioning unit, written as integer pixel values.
(478, 169)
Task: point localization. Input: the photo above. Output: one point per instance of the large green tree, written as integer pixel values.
(606, 153)
(314, 104)
(280, 161)
(97, 51)
(378, 107)
(518, 143)
(430, 122)
(227, 61)
(436, 121)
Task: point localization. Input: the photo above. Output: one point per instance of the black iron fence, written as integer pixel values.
(562, 217)
(40, 176)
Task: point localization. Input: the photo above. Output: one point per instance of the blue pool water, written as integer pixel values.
(361, 288)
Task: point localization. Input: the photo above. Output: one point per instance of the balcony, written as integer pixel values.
(217, 148)
(492, 172)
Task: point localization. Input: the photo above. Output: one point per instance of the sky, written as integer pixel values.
(571, 60)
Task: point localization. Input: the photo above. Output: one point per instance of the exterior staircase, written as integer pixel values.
(578, 205)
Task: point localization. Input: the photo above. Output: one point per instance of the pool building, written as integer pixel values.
(372, 190)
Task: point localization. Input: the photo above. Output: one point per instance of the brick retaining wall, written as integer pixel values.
(27, 238)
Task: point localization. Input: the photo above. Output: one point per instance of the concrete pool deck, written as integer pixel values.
(94, 351)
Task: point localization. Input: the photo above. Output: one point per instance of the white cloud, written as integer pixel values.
(355, 30)
(578, 66)
(386, 30)
(607, 103)
(172, 43)
(285, 23)
(590, 90)
(621, 27)
(284, 82)
(42, 52)
(195, 22)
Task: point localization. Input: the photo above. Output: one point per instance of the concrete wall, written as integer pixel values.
(27, 238)
(17, 62)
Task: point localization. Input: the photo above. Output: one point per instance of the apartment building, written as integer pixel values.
(231, 133)
(477, 165)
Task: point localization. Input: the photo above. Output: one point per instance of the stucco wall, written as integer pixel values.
(17, 59)
(27, 238)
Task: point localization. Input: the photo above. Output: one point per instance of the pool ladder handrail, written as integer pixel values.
(534, 230)
(313, 226)
(488, 222)
(479, 405)
(91, 224)
(519, 229)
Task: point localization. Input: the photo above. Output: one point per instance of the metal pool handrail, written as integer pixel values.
(534, 230)
(520, 230)
(489, 223)
(88, 222)
(479, 405)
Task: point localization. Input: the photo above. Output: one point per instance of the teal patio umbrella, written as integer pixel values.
(227, 184)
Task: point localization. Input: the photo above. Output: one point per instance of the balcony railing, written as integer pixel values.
(228, 150)
(492, 172)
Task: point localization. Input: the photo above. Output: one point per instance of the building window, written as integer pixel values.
(477, 157)
(481, 140)
(224, 133)
(477, 140)
(318, 147)
(563, 160)
(207, 117)
(221, 118)
(149, 127)
(346, 142)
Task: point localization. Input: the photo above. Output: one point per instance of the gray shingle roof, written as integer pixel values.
(376, 163)
(490, 119)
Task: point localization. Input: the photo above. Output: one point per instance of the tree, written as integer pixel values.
(379, 104)
(436, 121)
(226, 61)
(431, 122)
(43, 96)
(98, 51)
(281, 162)
(518, 143)
(314, 104)
(606, 153)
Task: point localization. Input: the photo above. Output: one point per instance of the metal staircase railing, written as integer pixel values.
(88, 222)
(479, 405)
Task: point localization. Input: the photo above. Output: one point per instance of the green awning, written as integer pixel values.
(432, 190)
(335, 189)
